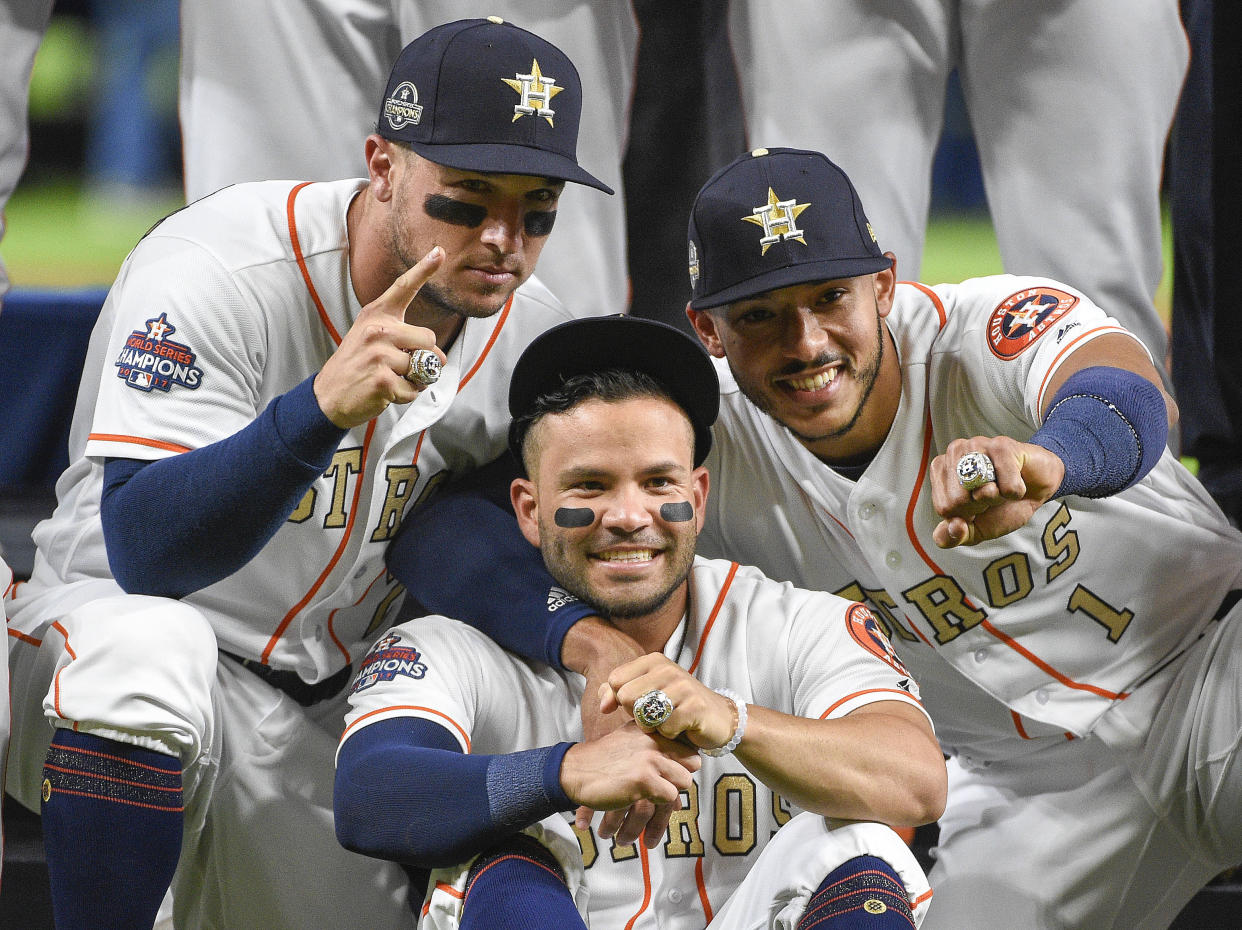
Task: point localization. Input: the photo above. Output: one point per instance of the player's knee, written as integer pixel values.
(135, 665)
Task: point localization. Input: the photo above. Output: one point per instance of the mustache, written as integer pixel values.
(796, 368)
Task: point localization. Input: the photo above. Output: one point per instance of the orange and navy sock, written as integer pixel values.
(861, 894)
(112, 817)
(518, 885)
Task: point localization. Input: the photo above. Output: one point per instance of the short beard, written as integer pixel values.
(559, 567)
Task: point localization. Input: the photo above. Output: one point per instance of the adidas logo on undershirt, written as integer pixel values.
(558, 598)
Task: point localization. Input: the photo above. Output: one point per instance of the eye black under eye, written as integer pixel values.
(539, 222)
(456, 212)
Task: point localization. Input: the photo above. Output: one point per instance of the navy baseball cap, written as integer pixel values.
(485, 95)
(772, 218)
(600, 343)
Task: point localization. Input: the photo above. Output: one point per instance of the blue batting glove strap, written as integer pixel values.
(1109, 426)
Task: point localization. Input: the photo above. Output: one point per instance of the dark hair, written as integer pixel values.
(611, 385)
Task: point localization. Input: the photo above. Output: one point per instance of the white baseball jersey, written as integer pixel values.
(256, 104)
(1071, 136)
(1036, 634)
(224, 306)
(792, 650)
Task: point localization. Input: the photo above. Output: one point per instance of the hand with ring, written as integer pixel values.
(425, 368)
(986, 486)
(652, 709)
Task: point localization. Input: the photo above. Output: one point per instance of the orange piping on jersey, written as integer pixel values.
(698, 880)
(336, 556)
(711, 619)
(925, 896)
(934, 298)
(296, 242)
(430, 710)
(986, 624)
(448, 890)
(642, 855)
(504, 315)
(30, 640)
(1017, 724)
(56, 682)
(332, 616)
(1069, 346)
(138, 441)
(849, 697)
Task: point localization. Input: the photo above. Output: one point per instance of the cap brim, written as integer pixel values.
(594, 344)
(792, 274)
(504, 158)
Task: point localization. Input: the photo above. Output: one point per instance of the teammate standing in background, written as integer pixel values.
(454, 745)
(266, 87)
(260, 405)
(1070, 123)
(985, 465)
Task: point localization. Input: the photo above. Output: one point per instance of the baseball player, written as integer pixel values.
(278, 373)
(265, 90)
(811, 711)
(1070, 129)
(983, 464)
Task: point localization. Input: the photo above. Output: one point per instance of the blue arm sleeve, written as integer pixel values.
(405, 792)
(463, 556)
(229, 497)
(1109, 426)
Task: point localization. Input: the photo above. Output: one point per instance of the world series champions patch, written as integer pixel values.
(1022, 318)
(150, 361)
(386, 661)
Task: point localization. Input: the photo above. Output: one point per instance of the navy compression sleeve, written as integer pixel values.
(229, 498)
(405, 792)
(463, 556)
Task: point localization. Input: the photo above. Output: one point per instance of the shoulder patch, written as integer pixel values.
(150, 361)
(866, 630)
(387, 659)
(1022, 318)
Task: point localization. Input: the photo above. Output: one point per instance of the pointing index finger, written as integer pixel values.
(396, 299)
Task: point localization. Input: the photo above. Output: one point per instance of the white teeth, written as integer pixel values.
(815, 383)
(630, 555)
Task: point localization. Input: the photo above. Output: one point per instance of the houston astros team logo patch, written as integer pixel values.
(537, 92)
(865, 629)
(150, 361)
(779, 220)
(1023, 317)
(402, 107)
(388, 659)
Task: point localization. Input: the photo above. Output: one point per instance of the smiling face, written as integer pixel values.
(492, 227)
(816, 357)
(615, 504)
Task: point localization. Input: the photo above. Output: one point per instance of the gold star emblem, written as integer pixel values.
(536, 92)
(778, 220)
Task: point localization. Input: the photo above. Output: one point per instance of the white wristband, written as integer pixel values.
(740, 707)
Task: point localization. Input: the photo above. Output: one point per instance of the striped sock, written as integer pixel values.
(861, 894)
(112, 819)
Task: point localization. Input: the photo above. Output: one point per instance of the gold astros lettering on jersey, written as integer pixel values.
(781, 814)
(1008, 579)
(1061, 547)
(586, 843)
(883, 607)
(345, 462)
(1099, 610)
(402, 479)
(684, 839)
(942, 602)
(734, 831)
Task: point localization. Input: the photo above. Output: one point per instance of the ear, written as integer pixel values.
(526, 507)
(700, 483)
(381, 157)
(705, 328)
(886, 285)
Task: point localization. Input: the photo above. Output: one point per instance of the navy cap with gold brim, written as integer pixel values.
(485, 95)
(776, 217)
(600, 343)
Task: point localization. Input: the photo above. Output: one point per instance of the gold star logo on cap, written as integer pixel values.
(778, 219)
(537, 92)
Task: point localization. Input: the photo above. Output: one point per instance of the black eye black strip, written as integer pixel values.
(457, 212)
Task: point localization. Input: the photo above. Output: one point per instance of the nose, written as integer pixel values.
(804, 337)
(502, 230)
(626, 511)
